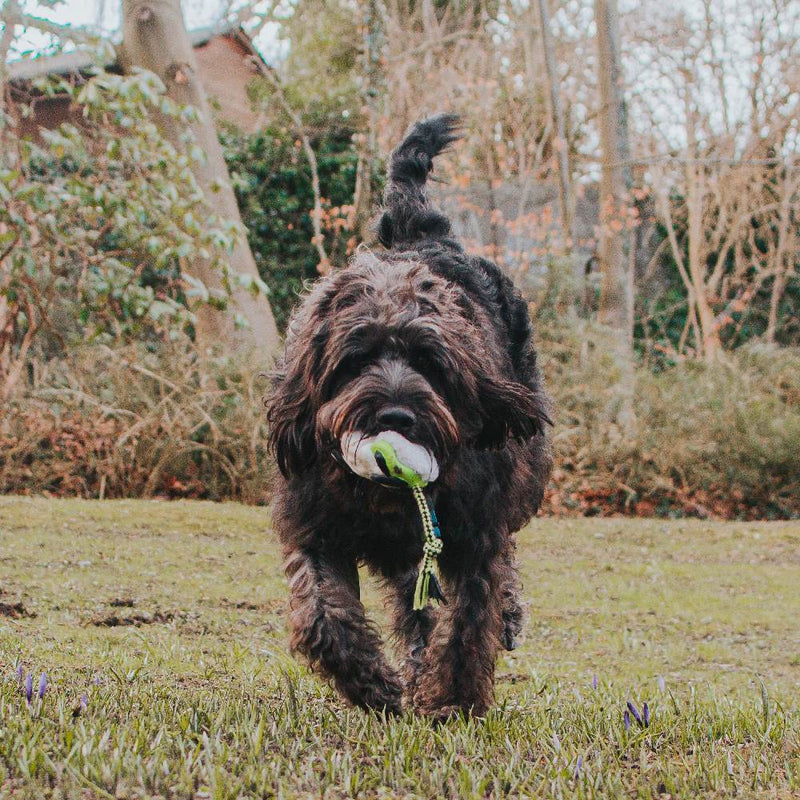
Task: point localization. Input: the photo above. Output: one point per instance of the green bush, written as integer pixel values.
(272, 179)
(100, 226)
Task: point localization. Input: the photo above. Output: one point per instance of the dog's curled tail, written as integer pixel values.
(407, 216)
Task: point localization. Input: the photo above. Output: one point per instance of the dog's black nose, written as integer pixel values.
(396, 418)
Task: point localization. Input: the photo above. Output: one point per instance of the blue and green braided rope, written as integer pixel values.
(431, 548)
(432, 537)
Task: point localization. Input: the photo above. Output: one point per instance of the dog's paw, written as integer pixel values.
(394, 709)
(389, 702)
(389, 706)
(381, 694)
(441, 714)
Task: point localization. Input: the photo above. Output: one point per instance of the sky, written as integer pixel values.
(83, 12)
(104, 16)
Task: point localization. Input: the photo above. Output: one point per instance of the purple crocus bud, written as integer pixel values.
(42, 685)
(627, 720)
(20, 673)
(98, 681)
(646, 715)
(662, 685)
(633, 710)
(29, 687)
(84, 702)
(594, 682)
(578, 767)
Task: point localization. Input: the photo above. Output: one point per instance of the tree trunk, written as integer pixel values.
(11, 15)
(778, 288)
(154, 38)
(557, 115)
(367, 141)
(615, 309)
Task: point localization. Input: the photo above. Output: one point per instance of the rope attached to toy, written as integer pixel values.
(427, 582)
(390, 459)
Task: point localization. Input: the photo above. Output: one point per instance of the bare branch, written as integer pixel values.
(318, 240)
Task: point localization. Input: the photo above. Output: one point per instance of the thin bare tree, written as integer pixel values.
(557, 113)
(724, 169)
(369, 91)
(12, 14)
(615, 309)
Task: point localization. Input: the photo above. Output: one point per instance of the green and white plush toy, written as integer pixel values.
(391, 459)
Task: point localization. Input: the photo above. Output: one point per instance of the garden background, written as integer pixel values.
(641, 187)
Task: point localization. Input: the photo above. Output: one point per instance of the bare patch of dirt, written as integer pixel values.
(122, 602)
(514, 678)
(136, 620)
(15, 610)
(270, 606)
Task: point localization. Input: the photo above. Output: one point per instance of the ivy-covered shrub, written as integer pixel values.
(272, 179)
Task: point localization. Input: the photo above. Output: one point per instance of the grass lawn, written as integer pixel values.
(169, 617)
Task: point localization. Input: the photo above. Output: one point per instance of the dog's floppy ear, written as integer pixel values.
(293, 403)
(509, 409)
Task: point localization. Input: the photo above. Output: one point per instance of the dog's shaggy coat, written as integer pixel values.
(436, 344)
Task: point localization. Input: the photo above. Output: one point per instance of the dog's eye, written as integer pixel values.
(422, 361)
(347, 369)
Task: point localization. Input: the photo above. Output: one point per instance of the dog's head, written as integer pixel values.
(389, 345)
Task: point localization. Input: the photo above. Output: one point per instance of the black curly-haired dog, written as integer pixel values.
(426, 340)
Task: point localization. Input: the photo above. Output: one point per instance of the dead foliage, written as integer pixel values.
(709, 441)
(717, 440)
(119, 423)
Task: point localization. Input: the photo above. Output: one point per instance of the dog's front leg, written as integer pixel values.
(330, 628)
(457, 674)
(412, 628)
